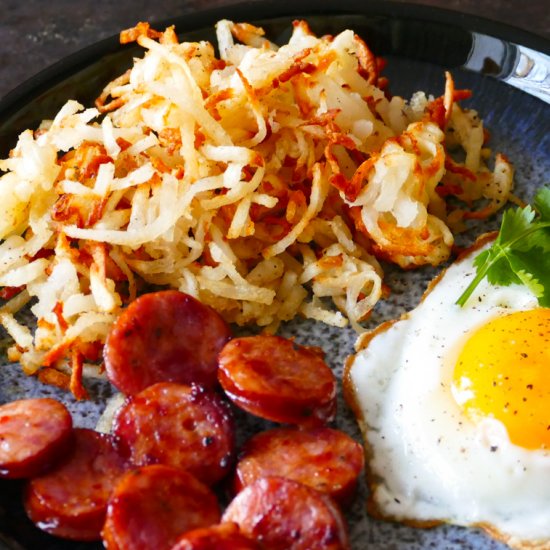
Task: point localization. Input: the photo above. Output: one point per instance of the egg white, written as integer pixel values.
(427, 460)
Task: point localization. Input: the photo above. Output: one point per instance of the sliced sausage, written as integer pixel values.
(322, 458)
(152, 506)
(34, 434)
(182, 426)
(279, 380)
(226, 536)
(164, 336)
(71, 501)
(282, 514)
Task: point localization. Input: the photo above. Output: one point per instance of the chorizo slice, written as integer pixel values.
(325, 459)
(71, 501)
(279, 380)
(152, 506)
(34, 434)
(165, 336)
(282, 514)
(177, 425)
(226, 536)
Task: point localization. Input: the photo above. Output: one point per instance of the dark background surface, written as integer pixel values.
(37, 33)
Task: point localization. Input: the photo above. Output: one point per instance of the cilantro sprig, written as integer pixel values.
(520, 253)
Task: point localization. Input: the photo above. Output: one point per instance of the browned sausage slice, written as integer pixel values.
(226, 536)
(182, 426)
(164, 336)
(71, 501)
(322, 458)
(282, 514)
(34, 434)
(152, 506)
(277, 379)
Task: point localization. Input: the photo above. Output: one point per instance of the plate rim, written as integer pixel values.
(272, 9)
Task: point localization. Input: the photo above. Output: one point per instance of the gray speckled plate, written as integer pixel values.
(510, 84)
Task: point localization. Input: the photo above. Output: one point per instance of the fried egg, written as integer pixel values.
(454, 406)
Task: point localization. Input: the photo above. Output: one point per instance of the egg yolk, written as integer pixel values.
(503, 372)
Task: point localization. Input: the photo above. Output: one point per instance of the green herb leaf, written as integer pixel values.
(534, 271)
(542, 203)
(520, 253)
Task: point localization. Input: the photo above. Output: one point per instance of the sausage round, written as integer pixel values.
(152, 506)
(226, 536)
(34, 434)
(182, 426)
(325, 459)
(71, 501)
(164, 336)
(279, 380)
(282, 514)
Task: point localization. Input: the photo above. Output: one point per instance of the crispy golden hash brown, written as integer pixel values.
(262, 182)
